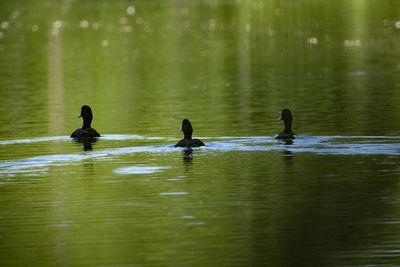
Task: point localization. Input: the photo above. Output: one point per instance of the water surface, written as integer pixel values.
(331, 198)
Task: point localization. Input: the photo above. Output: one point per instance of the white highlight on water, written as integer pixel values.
(324, 145)
(139, 170)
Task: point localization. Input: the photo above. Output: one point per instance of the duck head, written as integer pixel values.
(87, 116)
(287, 118)
(187, 129)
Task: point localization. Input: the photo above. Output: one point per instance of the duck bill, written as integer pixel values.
(280, 118)
(80, 115)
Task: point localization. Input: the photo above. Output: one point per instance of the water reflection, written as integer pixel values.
(288, 158)
(343, 207)
(86, 142)
(286, 141)
(187, 154)
(307, 207)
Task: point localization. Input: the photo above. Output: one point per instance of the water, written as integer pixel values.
(330, 198)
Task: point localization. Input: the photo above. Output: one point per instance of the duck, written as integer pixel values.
(287, 133)
(187, 140)
(86, 130)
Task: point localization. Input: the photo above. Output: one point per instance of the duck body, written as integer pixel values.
(285, 136)
(187, 141)
(287, 133)
(86, 130)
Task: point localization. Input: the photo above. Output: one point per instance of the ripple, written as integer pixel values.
(139, 170)
(62, 159)
(173, 193)
(325, 145)
(187, 217)
(112, 137)
(195, 223)
(120, 137)
(33, 140)
(116, 137)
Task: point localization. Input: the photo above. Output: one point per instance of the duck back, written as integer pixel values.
(88, 132)
(189, 143)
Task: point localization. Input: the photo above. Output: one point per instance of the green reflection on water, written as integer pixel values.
(243, 61)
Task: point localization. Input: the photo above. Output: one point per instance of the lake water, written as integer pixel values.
(331, 198)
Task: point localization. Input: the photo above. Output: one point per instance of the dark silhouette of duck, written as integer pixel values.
(287, 133)
(86, 131)
(187, 140)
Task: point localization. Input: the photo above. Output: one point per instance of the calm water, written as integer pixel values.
(332, 198)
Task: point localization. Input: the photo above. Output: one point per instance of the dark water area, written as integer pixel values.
(330, 198)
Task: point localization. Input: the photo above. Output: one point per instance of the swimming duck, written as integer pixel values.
(187, 140)
(86, 130)
(287, 118)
